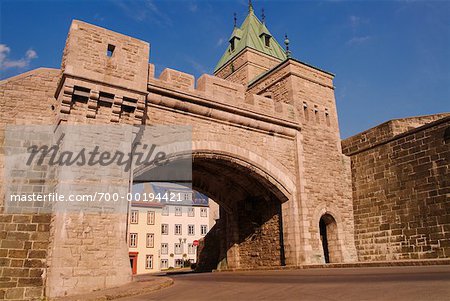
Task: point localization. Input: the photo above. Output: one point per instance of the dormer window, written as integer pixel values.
(266, 40)
(232, 44)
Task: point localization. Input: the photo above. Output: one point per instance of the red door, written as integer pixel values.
(133, 261)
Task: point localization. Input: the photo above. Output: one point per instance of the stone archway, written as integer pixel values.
(329, 237)
(249, 232)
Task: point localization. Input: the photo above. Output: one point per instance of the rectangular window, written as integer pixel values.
(149, 261)
(110, 50)
(191, 230)
(165, 211)
(150, 217)
(179, 263)
(164, 249)
(191, 211)
(316, 113)
(134, 217)
(178, 248)
(165, 229)
(191, 249)
(327, 117)
(305, 111)
(164, 263)
(177, 229)
(186, 196)
(178, 211)
(204, 229)
(150, 240)
(203, 212)
(133, 240)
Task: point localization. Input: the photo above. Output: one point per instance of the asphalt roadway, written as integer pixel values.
(347, 284)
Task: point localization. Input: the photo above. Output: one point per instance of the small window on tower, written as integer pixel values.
(232, 45)
(110, 50)
(267, 40)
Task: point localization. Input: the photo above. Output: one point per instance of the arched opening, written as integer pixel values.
(329, 238)
(249, 230)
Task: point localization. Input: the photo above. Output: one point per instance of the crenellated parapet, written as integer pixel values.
(214, 97)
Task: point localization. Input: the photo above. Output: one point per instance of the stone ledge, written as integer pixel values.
(131, 289)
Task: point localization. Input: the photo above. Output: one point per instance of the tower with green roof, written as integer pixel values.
(251, 51)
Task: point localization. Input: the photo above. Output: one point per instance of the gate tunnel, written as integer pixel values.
(249, 232)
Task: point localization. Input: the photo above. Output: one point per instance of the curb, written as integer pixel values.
(127, 290)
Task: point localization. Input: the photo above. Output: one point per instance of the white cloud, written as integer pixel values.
(6, 63)
(358, 40)
(220, 42)
(31, 54)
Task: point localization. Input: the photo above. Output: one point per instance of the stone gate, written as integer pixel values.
(265, 146)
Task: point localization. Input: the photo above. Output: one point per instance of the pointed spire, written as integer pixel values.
(235, 19)
(263, 16)
(250, 6)
(286, 42)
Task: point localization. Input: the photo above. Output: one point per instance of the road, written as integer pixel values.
(392, 283)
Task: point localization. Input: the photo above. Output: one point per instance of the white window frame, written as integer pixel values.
(165, 226)
(149, 263)
(165, 211)
(178, 248)
(178, 211)
(191, 211)
(134, 217)
(150, 217)
(180, 228)
(164, 263)
(189, 229)
(203, 230)
(133, 242)
(203, 212)
(150, 243)
(164, 248)
(191, 248)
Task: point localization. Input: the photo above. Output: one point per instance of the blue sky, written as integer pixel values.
(391, 58)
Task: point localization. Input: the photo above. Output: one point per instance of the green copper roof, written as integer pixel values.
(251, 34)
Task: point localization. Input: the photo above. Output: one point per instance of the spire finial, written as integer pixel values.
(250, 6)
(263, 16)
(286, 42)
(235, 19)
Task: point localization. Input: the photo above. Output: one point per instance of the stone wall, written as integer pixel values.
(401, 189)
(23, 254)
(24, 100)
(86, 56)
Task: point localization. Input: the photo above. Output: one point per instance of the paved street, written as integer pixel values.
(395, 283)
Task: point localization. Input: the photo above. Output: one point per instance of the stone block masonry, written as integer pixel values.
(23, 254)
(401, 189)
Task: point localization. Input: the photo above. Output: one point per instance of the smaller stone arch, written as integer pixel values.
(329, 238)
(328, 218)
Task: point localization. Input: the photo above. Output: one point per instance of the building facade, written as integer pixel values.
(144, 237)
(163, 234)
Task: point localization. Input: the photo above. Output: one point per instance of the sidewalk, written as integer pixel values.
(139, 286)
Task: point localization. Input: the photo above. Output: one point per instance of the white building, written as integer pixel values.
(181, 217)
(144, 237)
(182, 223)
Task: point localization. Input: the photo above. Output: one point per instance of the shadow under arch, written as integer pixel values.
(249, 232)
